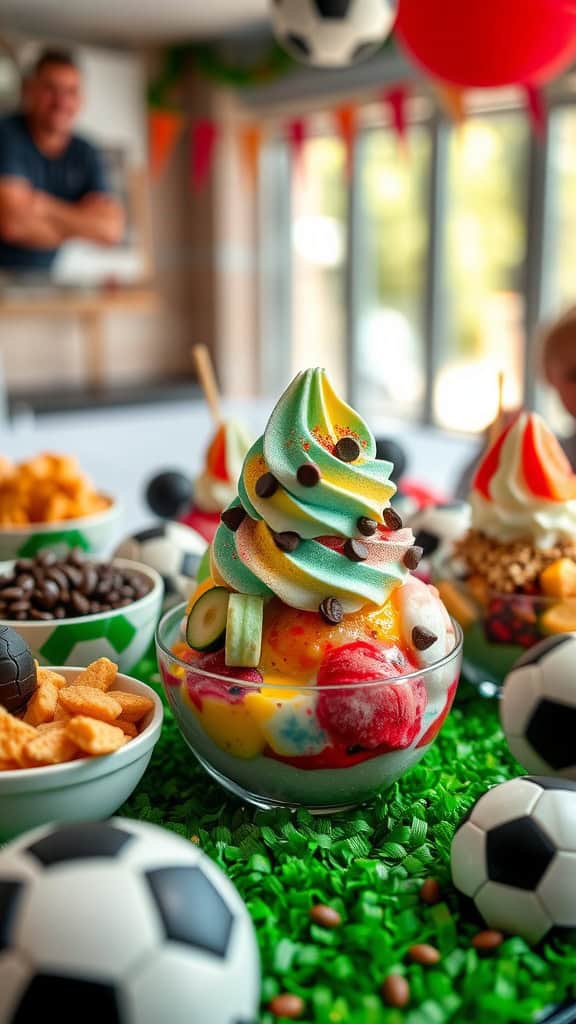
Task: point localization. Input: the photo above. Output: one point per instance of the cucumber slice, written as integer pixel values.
(244, 630)
(206, 624)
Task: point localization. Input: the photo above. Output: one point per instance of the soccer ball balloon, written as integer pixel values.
(174, 550)
(437, 528)
(332, 33)
(125, 923)
(514, 853)
(538, 707)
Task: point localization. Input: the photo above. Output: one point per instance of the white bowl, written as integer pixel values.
(84, 790)
(92, 534)
(123, 635)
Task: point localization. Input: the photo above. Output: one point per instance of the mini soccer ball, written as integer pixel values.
(538, 707)
(17, 671)
(174, 550)
(169, 494)
(124, 923)
(437, 528)
(332, 33)
(514, 853)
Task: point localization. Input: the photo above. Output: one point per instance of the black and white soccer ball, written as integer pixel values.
(538, 707)
(125, 923)
(514, 854)
(174, 550)
(332, 33)
(437, 528)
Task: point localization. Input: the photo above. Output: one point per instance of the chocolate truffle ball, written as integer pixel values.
(17, 671)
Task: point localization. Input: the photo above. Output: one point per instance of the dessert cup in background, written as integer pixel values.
(215, 487)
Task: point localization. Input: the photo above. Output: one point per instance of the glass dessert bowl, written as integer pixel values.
(326, 747)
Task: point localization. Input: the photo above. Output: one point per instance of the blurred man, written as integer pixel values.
(52, 183)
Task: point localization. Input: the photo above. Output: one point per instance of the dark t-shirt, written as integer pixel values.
(78, 171)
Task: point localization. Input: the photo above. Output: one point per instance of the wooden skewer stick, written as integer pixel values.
(207, 379)
(498, 422)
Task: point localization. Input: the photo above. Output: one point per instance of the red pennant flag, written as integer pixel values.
(250, 145)
(202, 142)
(164, 127)
(537, 111)
(347, 121)
(296, 131)
(395, 100)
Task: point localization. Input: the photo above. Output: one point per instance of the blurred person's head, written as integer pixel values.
(52, 93)
(558, 357)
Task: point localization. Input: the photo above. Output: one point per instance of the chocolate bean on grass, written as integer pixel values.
(325, 916)
(46, 587)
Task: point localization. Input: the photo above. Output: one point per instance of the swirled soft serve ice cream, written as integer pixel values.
(311, 598)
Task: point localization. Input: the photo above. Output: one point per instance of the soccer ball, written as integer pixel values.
(437, 528)
(332, 33)
(514, 853)
(174, 550)
(538, 707)
(17, 671)
(125, 923)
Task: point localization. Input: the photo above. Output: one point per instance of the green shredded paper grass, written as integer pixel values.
(369, 864)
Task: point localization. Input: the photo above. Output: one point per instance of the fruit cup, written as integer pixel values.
(325, 747)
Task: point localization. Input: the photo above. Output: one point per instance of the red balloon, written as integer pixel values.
(489, 43)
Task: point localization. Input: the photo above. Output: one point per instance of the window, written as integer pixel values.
(389, 362)
(422, 276)
(482, 311)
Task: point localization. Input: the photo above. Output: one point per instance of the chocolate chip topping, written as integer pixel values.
(367, 526)
(355, 550)
(423, 638)
(331, 611)
(347, 449)
(308, 474)
(391, 518)
(412, 557)
(266, 485)
(233, 517)
(287, 541)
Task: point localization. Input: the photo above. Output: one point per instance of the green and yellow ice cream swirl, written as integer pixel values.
(312, 475)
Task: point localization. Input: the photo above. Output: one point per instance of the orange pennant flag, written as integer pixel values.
(250, 146)
(347, 121)
(164, 127)
(452, 99)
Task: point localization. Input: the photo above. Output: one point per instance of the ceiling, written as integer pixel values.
(129, 21)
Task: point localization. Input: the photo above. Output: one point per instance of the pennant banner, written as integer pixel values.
(296, 134)
(452, 99)
(164, 127)
(202, 142)
(537, 110)
(395, 101)
(347, 122)
(250, 138)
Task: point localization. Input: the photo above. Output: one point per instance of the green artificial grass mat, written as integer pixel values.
(369, 864)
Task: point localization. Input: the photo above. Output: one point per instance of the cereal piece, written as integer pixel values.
(46, 675)
(99, 674)
(128, 728)
(42, 705)
(14, 734)
(134, 706)
(61, 715)
(88, 700)
(8, 766)
(53, 747)
(94, 737)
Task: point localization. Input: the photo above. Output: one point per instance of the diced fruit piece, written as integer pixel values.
(375, 715)
(559, 578)
(478, 587)
(560, 618)
(512, 620)
(200, 686)
(244, 630)
(206, 626)
(457, 604)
